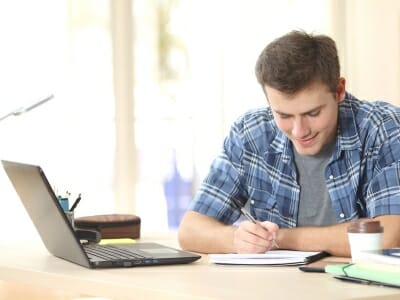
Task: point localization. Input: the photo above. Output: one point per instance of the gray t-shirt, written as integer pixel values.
(315, 208)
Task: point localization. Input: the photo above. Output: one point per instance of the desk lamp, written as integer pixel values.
(22, 110)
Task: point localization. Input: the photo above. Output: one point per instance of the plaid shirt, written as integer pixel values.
(257, 166)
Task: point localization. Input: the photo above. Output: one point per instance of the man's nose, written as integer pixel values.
(300, 128)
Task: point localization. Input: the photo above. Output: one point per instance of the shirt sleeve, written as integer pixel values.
(383, 194)
(222, 183)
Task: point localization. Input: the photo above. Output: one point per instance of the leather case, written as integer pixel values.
(111, 226)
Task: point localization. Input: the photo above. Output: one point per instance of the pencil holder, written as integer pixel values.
(64, 202)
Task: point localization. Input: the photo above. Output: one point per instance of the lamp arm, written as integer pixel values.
(23, 110)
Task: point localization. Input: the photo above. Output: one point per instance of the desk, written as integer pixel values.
(22, 291)
(199, 280)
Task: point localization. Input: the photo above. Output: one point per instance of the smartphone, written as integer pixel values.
(319, 266)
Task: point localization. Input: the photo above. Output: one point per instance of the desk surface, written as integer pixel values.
(10, 290)
(32, 264)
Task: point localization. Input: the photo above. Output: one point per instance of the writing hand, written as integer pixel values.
(256, 237)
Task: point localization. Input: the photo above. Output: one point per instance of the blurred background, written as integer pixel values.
(146, 90)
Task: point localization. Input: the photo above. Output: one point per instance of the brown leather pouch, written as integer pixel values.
(111, 226)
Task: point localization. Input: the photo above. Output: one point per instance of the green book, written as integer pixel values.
(376, 272)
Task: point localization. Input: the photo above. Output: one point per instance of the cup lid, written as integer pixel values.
(365, 226)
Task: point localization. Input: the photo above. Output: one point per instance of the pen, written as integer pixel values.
(250, 218)
(75, 203)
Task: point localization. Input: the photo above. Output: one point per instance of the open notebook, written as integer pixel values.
(60, 239)
(274, 257)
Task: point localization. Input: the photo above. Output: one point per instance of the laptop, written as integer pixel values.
(60, 239)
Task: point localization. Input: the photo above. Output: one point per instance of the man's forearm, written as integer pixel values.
(202, 234)
(332, 239)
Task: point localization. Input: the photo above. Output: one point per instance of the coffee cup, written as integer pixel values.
(364, 235)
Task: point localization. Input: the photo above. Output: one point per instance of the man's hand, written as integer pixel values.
(257, 237)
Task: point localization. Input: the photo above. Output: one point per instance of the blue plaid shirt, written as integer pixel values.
(257, 165)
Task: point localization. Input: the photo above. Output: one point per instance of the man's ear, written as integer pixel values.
(341, 89)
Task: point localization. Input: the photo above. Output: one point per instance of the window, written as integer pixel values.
(191, 64)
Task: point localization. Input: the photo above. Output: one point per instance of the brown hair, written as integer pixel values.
(297, 59)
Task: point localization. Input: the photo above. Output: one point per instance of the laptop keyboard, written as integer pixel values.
(109, 252)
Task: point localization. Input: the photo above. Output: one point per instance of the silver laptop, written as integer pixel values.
(60, 238)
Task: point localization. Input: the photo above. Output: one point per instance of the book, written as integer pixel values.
(371, 267)
(372, 273)
(389, 256)
(274, 257)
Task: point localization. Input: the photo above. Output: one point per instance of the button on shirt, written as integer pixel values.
(256, 166)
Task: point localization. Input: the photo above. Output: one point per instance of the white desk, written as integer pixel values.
(10, 290)
(200, 280)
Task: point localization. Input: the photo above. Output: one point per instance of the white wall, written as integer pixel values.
(372, 49)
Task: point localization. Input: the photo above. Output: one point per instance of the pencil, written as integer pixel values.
(75, 203)
(251, 218)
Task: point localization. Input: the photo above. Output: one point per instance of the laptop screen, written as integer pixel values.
(42, 205)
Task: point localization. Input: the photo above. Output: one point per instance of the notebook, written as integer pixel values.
(274, 257)
(59, 237)
(376, 274)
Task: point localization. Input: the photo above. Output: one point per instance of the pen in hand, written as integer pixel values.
(251, 218)
(75, 203)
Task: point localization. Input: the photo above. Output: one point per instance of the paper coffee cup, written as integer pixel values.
(364, 235)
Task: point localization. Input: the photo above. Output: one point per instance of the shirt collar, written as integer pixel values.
(281, 144)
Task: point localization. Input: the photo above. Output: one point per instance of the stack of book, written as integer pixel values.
(382, 268)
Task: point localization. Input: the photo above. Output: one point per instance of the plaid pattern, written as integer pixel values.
(257, 166)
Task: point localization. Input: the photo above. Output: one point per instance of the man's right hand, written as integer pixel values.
(257, 237)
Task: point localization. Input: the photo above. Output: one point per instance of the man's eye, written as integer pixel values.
(314, 113)
(284, 116)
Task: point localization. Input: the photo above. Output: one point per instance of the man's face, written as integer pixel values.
(308, 118)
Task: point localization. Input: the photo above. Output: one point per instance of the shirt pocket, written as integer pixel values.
(262, 204)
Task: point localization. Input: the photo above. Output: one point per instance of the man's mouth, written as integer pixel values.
(306, 142)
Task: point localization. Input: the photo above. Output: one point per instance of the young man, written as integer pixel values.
(305, 166)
